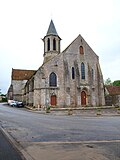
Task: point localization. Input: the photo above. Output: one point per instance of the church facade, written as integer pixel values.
(71, 78)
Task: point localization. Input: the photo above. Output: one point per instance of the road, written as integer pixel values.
(7, 150)
(63, 137)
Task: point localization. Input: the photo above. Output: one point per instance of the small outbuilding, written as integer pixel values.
(112, 95)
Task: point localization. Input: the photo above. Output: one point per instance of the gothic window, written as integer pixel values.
(81, 50)
(27, 88)
(82, 70)
(48, 44)
(32, 84)
(73, 73)
(54, 44)
(92, 74)
(53, 80)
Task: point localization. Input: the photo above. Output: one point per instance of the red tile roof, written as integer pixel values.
(113, 90)
(19, 74)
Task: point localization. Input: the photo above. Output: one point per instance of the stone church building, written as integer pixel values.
(71, 78)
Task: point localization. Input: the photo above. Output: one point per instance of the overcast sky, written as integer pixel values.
(24, 22)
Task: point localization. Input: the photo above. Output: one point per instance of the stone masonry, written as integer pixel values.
(71, 78)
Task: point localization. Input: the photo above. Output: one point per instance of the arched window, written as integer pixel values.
(54, 44)
(82, 70)
(81, 50)
(32, 84)
(73, 73)
(53, 79)
(48, 44)
(92, 74)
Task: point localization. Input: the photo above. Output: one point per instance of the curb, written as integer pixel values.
(62, 111)
(70, 108)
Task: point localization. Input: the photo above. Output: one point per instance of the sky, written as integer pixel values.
(23, 24)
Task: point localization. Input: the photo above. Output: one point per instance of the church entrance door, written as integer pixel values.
(83, 98)
(53, 100)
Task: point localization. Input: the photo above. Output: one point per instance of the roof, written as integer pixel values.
(19, 74)
(52, 29)
(113, 90)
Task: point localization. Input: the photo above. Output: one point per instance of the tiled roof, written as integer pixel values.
(113, 90)
(19, 74)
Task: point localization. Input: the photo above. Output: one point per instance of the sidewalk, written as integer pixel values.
(81, 111)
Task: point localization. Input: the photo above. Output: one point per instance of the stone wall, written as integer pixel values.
(112, 100)
(18, 86)
(68, 90)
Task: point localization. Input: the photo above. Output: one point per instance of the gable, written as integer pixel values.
(74, 47)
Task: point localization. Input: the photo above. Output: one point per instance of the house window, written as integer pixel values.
(54, 44)
(82, 70)
(53, 80)
(48, 44)
(81, 50)
(73, 73)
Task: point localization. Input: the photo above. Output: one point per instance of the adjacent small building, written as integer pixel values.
(19, 77)
(112, 95)
(71, 78)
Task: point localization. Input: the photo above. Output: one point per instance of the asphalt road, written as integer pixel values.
(7, 151)
(29, 128)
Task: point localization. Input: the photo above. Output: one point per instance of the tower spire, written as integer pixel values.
(52, 29)
(51, 43)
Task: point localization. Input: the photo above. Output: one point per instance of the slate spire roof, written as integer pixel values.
(52, 29)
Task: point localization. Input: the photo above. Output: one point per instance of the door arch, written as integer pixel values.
(83, 98)
(53, 100)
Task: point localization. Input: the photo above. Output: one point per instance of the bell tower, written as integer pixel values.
(51, 43)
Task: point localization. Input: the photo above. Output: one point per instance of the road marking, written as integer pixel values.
(73, 142)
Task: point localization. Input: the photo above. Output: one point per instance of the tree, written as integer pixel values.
(108, 81)
(116, 83)
(3, 97)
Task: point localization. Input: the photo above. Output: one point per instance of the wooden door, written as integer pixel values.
(53, 100)
(83, 98)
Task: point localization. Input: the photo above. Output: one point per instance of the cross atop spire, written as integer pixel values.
(52, 29)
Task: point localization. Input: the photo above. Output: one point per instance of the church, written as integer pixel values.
(71, 78)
